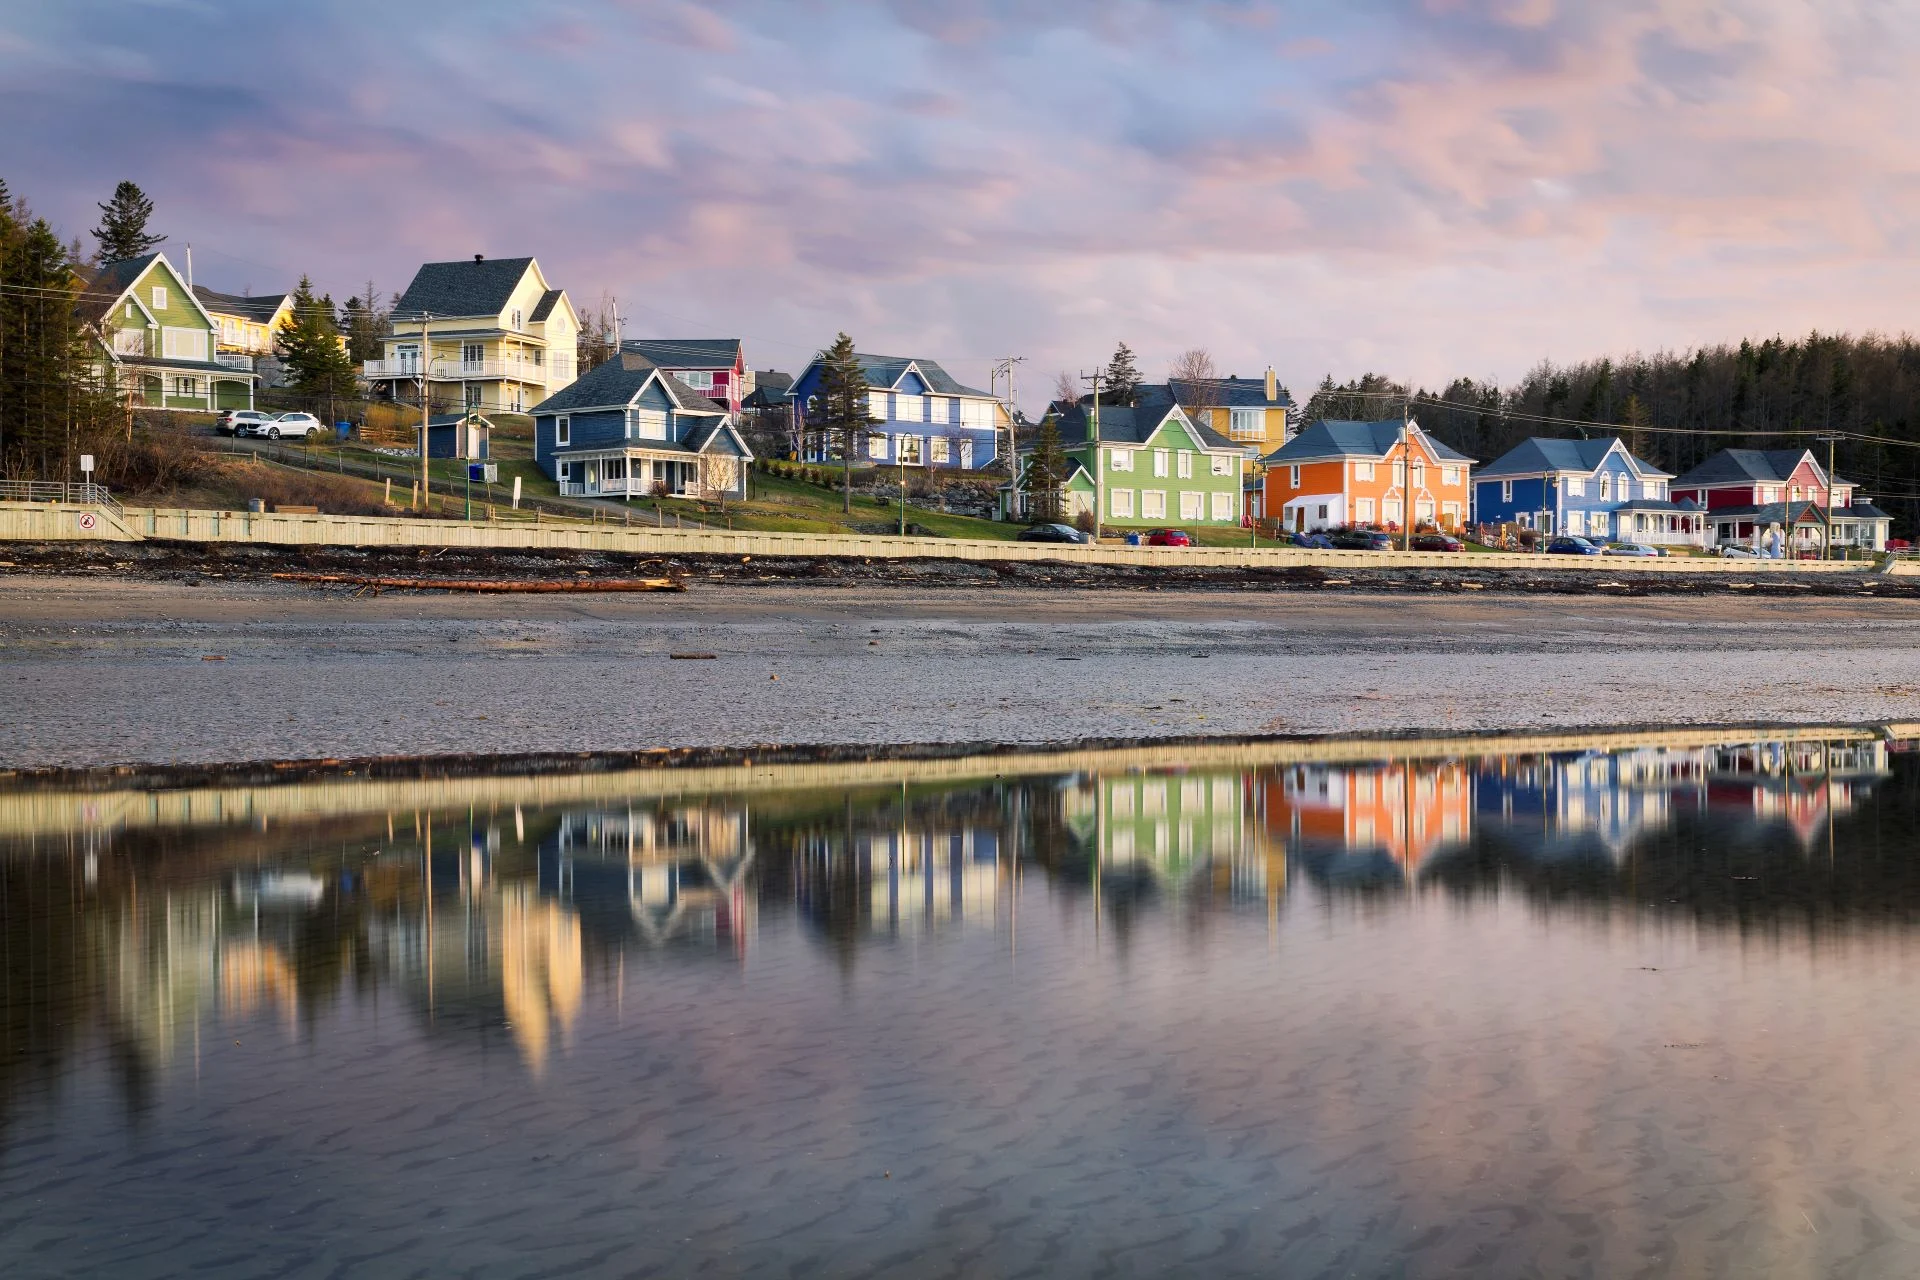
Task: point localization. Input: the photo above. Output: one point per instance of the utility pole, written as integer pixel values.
(426, 403)
(1406, 473)
(1093, 433)
(1003, 368)
(1826, 551)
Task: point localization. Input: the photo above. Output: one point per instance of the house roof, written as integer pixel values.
(1747, 466)
(261, 307)
(617, 381)
(885, 371)
(1539, 455)
(686, 353)
(1804, 513)
(770, 388)
(1228, 393)
(465, 288)
(105, 284)
(1135, 424)
(544, 308)
(1686, 506)
(1334, 438)
(454, 419)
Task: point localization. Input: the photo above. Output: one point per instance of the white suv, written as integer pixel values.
(240, 422)
(296, 425)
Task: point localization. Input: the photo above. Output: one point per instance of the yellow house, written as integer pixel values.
(246, 325)
(1251, 412)
(493, 327)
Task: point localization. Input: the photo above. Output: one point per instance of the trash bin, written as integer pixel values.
(257, 506)
(1133, 539)
(344, 430)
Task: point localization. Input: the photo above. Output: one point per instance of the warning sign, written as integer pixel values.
(88, 520)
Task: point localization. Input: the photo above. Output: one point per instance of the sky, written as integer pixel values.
(1424, 188)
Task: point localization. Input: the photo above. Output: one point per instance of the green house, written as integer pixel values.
(158, 342)
(1151, 466)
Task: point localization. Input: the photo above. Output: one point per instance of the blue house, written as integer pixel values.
(921, 416)
(628, 429)
(1587, 488)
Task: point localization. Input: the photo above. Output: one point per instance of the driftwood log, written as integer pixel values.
(490, 585)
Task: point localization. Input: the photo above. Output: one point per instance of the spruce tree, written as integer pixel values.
(122, 232)
(365, 324)
(1047, 468)
(317, 363)
(1122, 380)
(839, 409)
(53, 405)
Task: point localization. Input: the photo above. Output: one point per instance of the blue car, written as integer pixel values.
(1570, 546)
(1313, 541)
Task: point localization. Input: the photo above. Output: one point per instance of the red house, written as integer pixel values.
(715, 367)
(1752, 494)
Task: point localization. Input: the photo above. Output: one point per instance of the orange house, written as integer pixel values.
(1408, 811)
(1356, 473)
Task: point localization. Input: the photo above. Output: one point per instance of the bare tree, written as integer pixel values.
(1196, 384)
(1066, 390)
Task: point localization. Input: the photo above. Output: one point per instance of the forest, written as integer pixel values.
(1675, 408)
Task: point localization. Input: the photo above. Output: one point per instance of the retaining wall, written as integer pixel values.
(51, 522)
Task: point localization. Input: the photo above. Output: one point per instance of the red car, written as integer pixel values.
(1169, 538)
(1437, 542)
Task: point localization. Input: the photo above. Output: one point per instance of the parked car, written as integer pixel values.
(1362, 540)
(1437, 542)
(1571, 546)
(1052, 533)
(1640, 549)
(285, 426)
(232, 422)
(1169, 538)
(1312, 541)
(1733, 551)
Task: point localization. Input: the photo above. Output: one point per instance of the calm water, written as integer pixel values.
(1642, 1011)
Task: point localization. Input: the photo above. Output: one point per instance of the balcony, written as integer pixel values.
(455, 370)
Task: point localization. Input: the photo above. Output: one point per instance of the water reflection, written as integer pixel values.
(502, 923)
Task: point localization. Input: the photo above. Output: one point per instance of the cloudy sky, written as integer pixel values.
(1420, 187)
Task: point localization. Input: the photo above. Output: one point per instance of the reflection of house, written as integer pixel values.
(654, 874)
(924, 878)
(1406, 812)
(1800, 785)
(1164, 824)
(1567, 805)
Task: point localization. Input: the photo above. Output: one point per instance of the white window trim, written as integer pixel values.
(159, 296)
(1120, 503)
(562, 431)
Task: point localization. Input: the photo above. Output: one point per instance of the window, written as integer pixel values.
(1184, 465)
(1120, 502)
(1160, 462)
(1153, 504)
(1363, 471)
(562, 431)
(1419, 476)
(1190, 504)
(939, 409)
(1247, 424)
(130, 342)
(1363, 510)
(1293, 477)
(698, 379)
(909, 450)
(1576, 486)
(1576, 522)
(976, 413)
(942, 449)
(877, 404)
(1399, 473)
(566, 468)
(129, 311)
(1222, 465)
(1449, 475)
(1606, 488)
(1321, 512)
(183, 344)
(539, 357)
(1223, 506)
(159, 297)
(1390, 510)
(1793, 494)
(186, 386)
(613, 469)
(966, 454)
(516, 317)
(1506, 491)
(473, 396)
(909, 408)
(876, 446)
(473, 354)
(1119, 460)
(646, 424)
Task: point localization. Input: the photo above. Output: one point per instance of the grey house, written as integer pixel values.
(628, 429)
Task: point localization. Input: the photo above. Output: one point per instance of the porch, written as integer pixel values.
(637, 474)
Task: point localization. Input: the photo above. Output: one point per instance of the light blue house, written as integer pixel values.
(920, 416)
(1587, 488)
(628, 429)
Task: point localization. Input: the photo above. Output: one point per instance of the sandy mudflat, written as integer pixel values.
(111, 671)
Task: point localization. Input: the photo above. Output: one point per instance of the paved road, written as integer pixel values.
(114, 671)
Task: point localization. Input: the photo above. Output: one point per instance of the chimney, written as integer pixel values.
(479, 257)
(1273, 386)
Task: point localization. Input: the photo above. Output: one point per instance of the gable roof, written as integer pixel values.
(1747, 466)
(1335, 438)
(884, 373)
(1541, 454)
(617, 381)
(1135, 424)
(770, 387)
(469, 288)
(262, 307)
(686, 353)
(544, 308)
(1228, 393)
(109, 282)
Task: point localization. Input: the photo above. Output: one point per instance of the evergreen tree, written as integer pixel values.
(53, 405)
(840, 410)
(1047, 469)
(317, 363)
(366, 325)
(1122, 379)
(122, 232)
